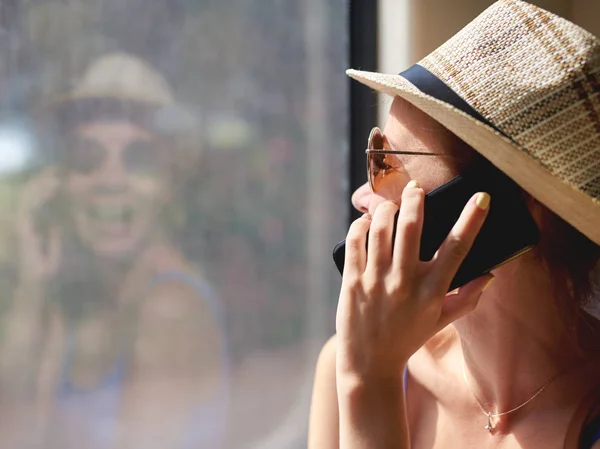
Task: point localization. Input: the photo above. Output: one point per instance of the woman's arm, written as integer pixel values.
(372, 413)
(364, 407)
(22, 342)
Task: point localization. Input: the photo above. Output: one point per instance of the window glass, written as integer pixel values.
(172, 183)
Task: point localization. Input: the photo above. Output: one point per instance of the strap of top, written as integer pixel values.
(584, 428)
(591, 433)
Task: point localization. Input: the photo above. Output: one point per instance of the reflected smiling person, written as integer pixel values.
(114, 338)
(513, 363)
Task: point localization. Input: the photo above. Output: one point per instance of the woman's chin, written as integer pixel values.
(114, 250)
(112, 240)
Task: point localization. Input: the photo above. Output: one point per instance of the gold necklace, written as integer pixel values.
(490, 427)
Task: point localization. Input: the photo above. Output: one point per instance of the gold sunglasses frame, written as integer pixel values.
(370, 151)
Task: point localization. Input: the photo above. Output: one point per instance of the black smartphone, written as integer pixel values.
(508, 231)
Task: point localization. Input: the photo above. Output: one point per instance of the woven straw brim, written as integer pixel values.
(580, 210)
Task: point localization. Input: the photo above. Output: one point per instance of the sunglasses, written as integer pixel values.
(140, 156)
(384, 166)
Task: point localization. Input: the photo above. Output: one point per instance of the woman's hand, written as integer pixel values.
(25, 325)
(39, 256)
(392, 304)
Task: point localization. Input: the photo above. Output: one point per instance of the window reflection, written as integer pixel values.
(127, 325)
(171, 184)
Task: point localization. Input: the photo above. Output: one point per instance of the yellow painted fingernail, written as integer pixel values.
(488, 284)
(483, 201)
(413, 184)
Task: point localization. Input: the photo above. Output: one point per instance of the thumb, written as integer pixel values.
(464, 300)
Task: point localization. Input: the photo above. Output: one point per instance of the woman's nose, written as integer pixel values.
(364, 200)
(361, 198)
(113, 172)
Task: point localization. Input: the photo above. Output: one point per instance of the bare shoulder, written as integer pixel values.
(324, 416)
(327, 355)
(163, 278)
(177, 284)
(431, 375)
(174, 302)
(433, 358)
(178, 335)
(176, 310)
(438, 346)
(175, 289)
(325, 384)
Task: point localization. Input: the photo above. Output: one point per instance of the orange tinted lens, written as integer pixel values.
(386, 172)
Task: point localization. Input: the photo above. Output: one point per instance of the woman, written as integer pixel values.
(516, 365)
(114, 339)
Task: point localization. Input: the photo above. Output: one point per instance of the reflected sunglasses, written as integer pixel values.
(140, 156)
(384, 166)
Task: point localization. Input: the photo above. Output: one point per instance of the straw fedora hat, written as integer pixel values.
(521, 86)
(120, 84)
(122, 76)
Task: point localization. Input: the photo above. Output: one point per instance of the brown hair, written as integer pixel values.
(569, 256)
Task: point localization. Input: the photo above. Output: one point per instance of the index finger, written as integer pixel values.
(355, 259)
(457, 245)
(410, 227)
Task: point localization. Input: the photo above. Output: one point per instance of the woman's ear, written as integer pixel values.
(536, 209)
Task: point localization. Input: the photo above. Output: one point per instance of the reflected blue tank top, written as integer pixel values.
(95, 411)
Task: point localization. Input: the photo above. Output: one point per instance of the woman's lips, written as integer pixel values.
(110, 214)
(113, 220)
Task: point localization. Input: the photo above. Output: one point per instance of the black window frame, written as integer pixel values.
(363, 48)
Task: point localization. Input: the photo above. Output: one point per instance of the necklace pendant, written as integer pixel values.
(489, 427)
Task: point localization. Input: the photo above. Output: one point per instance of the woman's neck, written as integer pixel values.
(515, 340)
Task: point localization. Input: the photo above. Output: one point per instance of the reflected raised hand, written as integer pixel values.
(39, 254)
